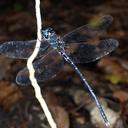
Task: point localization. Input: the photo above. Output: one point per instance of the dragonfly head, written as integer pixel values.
(48, 33)
(50, 36)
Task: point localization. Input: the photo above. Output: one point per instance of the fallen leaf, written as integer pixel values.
(9, 94)
(61, 116)
(59, 113)
(121, 95)
(5, 63)
(81, 97)
(119, 124)
(113, 69)
(114, 78)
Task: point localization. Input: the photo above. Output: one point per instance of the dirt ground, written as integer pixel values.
(71, 105)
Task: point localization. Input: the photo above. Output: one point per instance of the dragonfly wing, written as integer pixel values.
(85, 53)
(86, 32)
(21, 49)
(45, 68)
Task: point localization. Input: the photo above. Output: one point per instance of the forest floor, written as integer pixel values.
(71, 105)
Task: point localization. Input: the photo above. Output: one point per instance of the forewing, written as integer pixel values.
(45, 68)
(85, 52)
(21, 49)
(86, 32)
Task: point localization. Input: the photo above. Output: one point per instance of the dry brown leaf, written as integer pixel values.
(61, 116)
(110, 65)
(113, 70)
(59, 113)
(121, 95)
(9, 94)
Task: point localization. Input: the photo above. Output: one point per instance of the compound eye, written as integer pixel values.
(47, 33)
(50, 30)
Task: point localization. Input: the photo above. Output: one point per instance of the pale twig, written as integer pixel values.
(32, 71)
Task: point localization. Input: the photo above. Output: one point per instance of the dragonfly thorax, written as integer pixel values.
(51, 37)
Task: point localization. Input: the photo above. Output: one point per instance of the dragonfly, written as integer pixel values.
(77, 46)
